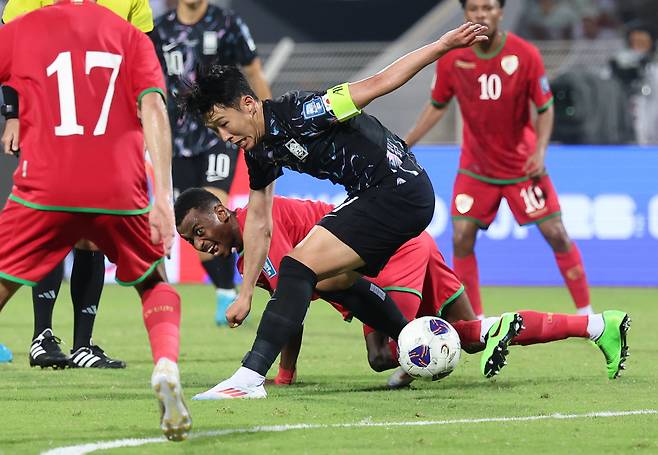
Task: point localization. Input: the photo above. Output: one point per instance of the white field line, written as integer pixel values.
(134, 442)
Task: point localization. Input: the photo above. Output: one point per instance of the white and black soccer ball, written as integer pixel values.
(429, 348)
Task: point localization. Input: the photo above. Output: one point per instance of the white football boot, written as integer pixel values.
(231, 389)
(175, 420)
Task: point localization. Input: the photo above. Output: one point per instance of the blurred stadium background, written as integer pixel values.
(601, 58)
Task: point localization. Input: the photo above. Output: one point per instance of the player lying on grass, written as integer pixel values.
(325, 135)
(416, 278)
(75, 121)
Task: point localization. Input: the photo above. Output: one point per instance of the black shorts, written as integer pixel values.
(214, 168)
(378, 221)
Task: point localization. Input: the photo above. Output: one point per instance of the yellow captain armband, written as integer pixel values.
(341, 102)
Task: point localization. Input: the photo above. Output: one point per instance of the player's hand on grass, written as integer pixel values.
(534, 167)
(238, 311)
(465, 35)
(10, 137)
(161, 220)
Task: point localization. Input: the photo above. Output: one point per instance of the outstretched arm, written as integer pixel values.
(403, 69)
(257, 236)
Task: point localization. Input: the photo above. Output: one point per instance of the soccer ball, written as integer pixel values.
(428, 348)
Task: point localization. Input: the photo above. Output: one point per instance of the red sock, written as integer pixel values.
(466, 269)
(285, 377)
(573, 272)
(546, 327)
(161, 313)
(468, 331)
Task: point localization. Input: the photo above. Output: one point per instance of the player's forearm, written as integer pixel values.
(396, 74)
(426, 120)
(403, 69)
(157, 136)
(256, 78)
(257, 236)
(544, 127)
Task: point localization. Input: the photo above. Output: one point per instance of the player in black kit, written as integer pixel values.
(326, 135)
(193, 34)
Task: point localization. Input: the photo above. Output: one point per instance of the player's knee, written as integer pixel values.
(557, 237)
(380, 361)
(86, 245)
(463, 242)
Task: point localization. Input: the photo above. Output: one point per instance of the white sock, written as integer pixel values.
(245, 376)
(585, 310)
(485, 325)
(595, 326)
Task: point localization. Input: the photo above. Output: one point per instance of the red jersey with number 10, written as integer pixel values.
(494, 92)
(79, 70)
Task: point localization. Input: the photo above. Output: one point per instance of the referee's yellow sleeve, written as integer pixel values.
(15, 8)
(141, 15)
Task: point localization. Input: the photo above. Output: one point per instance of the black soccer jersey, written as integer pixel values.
(303, 134)
(219, 37)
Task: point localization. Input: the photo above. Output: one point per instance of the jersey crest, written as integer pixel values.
(510, 63)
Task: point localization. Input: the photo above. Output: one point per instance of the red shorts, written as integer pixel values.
(531, 201)
(33, 242)
(418, 268)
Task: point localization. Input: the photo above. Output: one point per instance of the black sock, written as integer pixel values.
(87, 279)
(44, 295)
(283, 315)
(221, 271)
(371, 305)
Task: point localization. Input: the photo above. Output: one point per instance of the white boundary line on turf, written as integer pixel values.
(94, 446)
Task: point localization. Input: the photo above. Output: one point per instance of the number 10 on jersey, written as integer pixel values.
(490, 86)
(62, 67)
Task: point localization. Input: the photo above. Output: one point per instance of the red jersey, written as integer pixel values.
(80, 71)
(494, 92)
(293, 219)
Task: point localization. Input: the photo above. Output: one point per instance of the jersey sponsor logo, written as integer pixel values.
(464, 65)
(297, 149)
(209, 43)
(268, 268)
(463, 203)
(313, 108)
(510, 63)
(545, 86)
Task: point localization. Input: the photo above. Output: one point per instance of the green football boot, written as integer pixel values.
(497, 340)
(613, 341)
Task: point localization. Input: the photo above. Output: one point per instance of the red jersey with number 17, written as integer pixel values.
(80, 71)
(494, 92)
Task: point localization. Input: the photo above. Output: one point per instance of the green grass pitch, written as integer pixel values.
(45, 409)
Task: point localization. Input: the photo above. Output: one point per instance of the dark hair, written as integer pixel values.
(214, 84)
(500, 2)
(193, 198)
